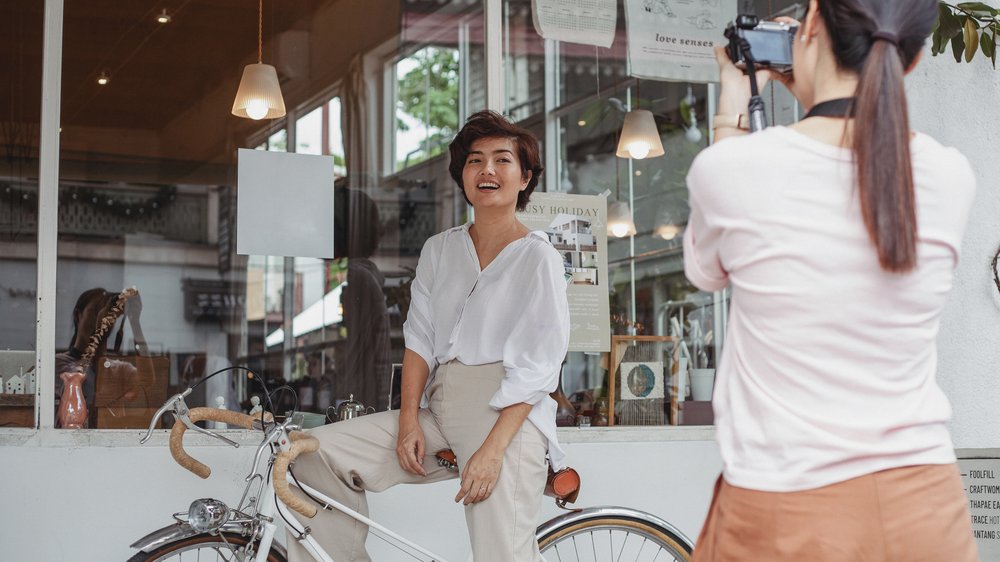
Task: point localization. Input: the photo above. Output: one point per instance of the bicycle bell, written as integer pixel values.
(351, 409)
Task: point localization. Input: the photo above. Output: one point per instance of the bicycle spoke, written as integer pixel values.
(627, 535)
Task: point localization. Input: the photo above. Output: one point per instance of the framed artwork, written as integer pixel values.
(641, 385)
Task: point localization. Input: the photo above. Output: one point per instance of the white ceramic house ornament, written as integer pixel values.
(28, 380)
(15, 385)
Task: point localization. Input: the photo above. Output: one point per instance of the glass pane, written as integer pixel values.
(20, 108)
(439, 77)
(426, 104)
(577, 97)
(335, 137)
(309, 132)
(149, 197)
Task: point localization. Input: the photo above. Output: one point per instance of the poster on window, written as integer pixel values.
(674, 39)
(575, 224)
(590, 22)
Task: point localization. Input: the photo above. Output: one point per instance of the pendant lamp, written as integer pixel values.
(639, 139)
(259, 95)
(670, 220)
(620, 223)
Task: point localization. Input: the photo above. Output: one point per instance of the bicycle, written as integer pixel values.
(211, 530)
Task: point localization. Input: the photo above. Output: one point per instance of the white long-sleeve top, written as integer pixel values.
(514, 311)
(829, 368)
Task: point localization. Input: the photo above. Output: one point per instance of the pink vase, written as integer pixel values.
(72, 404)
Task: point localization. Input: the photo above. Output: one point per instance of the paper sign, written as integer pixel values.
(674, 39)
(590, 22)
(981, 480)
(284, 204)
(575, 224)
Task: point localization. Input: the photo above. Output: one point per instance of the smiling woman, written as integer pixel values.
(486, 334)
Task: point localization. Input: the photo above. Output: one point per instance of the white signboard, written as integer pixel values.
(981, 480)
(590, 22)
(576, 227)
(284, 204)
(674, 39)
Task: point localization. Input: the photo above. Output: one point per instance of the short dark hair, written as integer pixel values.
(491, 125)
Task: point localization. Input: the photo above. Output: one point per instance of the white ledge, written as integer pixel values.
(636, 434)
(13, 437)
(117, 438)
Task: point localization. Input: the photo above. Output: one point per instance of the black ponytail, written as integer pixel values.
(880, 39)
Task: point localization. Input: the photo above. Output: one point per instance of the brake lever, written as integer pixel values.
(182, 414)
(176, 402)
(267, 443)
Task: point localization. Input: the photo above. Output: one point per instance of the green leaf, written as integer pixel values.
(958, 47)
(993, 41)
(987, 45)
(971, 33)
(949, 25)
(978, 8)
(936, 43)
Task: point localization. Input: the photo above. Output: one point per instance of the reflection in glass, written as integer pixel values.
(581, 96)
(20, 109)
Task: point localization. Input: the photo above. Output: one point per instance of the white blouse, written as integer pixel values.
(514, 311)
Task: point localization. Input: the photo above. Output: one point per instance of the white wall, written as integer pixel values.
(88, 503)
(958, 105)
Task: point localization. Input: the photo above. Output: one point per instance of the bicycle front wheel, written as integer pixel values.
(609, 537)
(225, 547)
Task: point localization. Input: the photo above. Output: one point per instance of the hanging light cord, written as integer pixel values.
(260, 32)
(597, 66)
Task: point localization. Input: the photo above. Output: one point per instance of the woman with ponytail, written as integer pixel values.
(838, 236)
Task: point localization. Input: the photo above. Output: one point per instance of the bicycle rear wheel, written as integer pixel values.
(608, 537)
(203, 548)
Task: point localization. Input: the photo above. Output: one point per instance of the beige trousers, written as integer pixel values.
(359, 456)
(910, 514)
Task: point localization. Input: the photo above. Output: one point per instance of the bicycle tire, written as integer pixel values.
(565, 543)
(176, 551)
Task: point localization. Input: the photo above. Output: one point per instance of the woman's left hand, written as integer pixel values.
(480, 474)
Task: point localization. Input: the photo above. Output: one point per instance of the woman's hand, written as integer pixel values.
(480, 474)
(410, 445)
(734, 95)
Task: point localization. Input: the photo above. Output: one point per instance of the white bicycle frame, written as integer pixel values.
(272, 504)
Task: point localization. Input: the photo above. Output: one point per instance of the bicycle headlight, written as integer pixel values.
(207, 515)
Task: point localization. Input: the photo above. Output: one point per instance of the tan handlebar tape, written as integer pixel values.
(301, 443)
(198, 414)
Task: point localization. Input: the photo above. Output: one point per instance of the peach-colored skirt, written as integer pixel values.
(911, 514)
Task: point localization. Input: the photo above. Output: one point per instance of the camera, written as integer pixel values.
(770, 43)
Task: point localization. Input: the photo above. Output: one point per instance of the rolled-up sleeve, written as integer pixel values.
(702, 238)
(534, 351)
(418, 330)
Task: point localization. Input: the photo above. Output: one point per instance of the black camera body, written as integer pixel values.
(770, 43)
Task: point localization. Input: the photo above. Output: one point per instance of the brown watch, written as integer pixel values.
(731, 121)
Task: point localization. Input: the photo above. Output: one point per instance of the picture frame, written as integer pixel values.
(641, 388)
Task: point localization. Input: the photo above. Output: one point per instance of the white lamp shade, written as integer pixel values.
(259, 96)
(639, 139)
(620, 223)
(667, 231)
